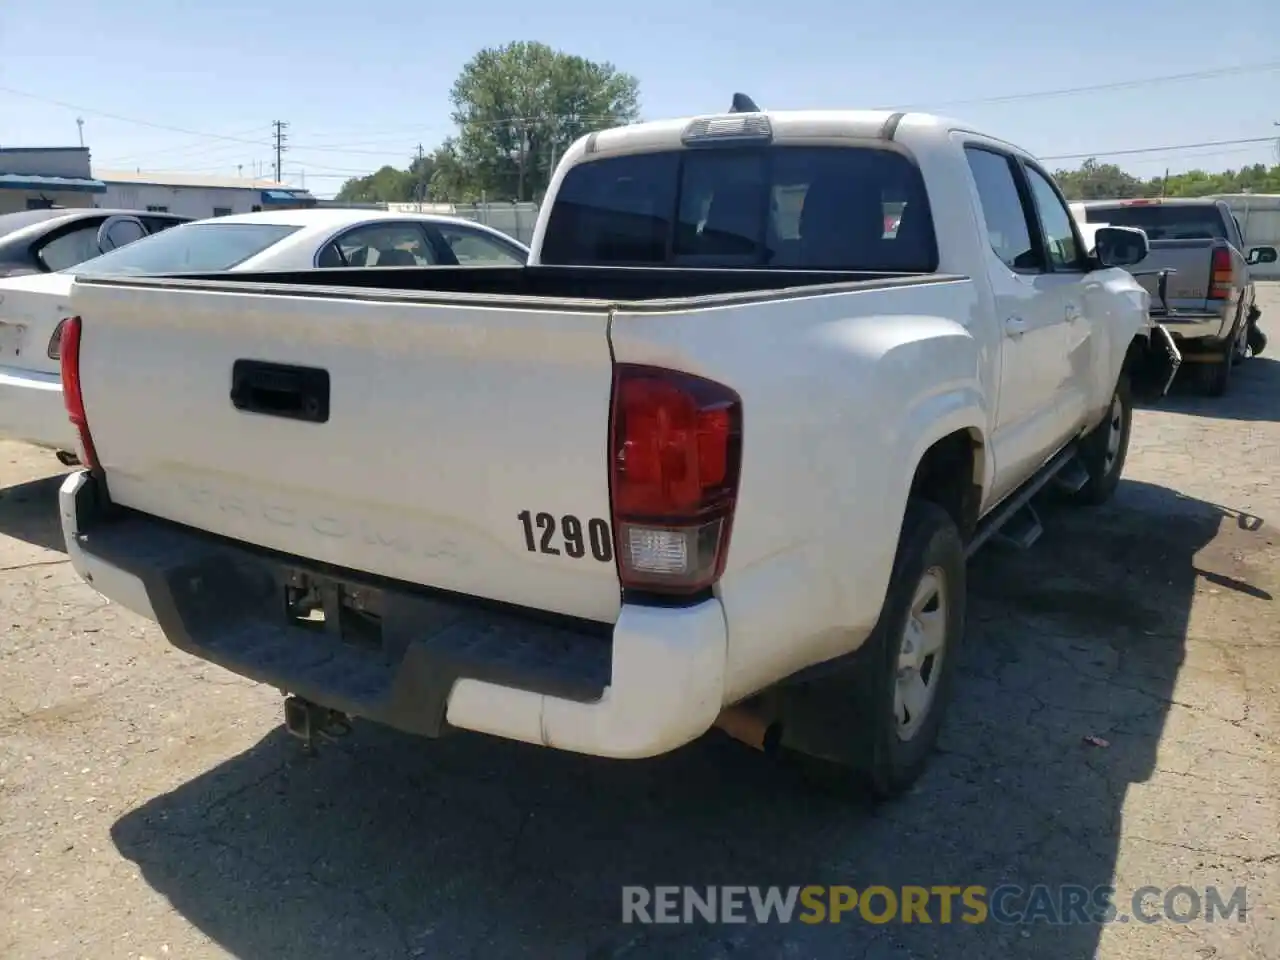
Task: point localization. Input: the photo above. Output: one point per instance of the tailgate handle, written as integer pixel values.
(280, 390)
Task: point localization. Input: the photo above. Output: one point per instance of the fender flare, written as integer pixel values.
(942, 415)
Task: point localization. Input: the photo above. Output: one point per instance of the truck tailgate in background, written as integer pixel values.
(454, 446)
(1188, 285)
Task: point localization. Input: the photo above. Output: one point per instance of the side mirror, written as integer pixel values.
(1120, 246)
(1261, 255)
(119, 231)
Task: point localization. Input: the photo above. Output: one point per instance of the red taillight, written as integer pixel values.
(69, 356)
(1221, 275)
(676, 454)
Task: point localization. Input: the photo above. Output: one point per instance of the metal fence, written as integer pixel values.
(516, 220)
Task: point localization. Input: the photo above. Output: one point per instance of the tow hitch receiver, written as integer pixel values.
(308, 721)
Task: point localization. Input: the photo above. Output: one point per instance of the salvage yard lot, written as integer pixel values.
(151, 806)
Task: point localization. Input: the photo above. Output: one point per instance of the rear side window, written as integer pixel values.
(835, 208)
(1163, 221)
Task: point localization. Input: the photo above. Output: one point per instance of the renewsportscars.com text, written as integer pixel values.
(972, 904)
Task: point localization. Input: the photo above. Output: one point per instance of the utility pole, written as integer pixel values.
(80, 129)
(279, 126)
(524, 146)
(421, 188)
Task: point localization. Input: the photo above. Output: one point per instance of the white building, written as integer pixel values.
(35, 177)
(193, 195)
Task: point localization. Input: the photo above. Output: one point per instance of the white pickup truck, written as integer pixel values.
(715, 457)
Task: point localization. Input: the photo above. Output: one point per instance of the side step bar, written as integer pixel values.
(1015, 520)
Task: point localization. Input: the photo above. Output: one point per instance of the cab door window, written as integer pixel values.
(1062, 245)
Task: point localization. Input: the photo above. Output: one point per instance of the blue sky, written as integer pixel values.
(362, 84)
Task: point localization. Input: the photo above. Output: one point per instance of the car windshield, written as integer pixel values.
(787, 207)
(188, 248)
(1163, 221)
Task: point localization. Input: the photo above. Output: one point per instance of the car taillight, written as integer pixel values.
(55, 342)
(69, 355)
(1221, 275)
(676, 455)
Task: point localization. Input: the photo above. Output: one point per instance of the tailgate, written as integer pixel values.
(455, 446)
(1188, 284)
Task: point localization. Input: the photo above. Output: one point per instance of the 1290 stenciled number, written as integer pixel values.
(543, 533)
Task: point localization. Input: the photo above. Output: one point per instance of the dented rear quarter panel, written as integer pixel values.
(842, 393)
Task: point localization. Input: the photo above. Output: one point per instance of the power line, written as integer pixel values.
(1101, 87)
(123, 119)
(1165, 149)
(1005, 98)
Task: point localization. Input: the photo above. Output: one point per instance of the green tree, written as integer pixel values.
(1098, 181)
(1106, 181)
(387, 185)
(518, 107)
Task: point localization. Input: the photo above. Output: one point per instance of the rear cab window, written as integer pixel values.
(1163, 221)
(783, 207)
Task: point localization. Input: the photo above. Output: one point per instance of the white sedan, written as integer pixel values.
(32, 307)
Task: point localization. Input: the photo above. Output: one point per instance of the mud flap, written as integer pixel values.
(1154, 365)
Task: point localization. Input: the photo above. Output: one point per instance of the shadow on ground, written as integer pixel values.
(1254, 392)
(383, 846)
(29, 512)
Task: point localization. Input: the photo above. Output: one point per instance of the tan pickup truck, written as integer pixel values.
(1208, 294)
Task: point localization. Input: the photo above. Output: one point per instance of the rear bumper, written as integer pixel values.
(652, 682)
(31, 409)
(1195, 326)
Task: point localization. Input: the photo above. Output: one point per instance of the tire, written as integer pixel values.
(886, 747)
(1104, 449)
(1217, 376)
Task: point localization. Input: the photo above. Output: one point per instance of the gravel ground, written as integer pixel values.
(150, 805)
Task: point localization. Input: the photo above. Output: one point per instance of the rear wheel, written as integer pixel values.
(891, 703)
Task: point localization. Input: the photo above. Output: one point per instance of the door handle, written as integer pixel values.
(280, 390)
(1015, 326)
(1073, 313)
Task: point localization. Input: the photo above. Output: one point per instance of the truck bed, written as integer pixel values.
(448, 427)
(540, 285)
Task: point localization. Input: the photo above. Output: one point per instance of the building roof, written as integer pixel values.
(179, 179)
(44, 149)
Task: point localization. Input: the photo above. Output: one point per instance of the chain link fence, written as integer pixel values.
(516, 220)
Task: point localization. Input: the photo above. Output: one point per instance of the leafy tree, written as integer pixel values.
(518, 107)
(1104, 181)
(1096, 181)
(387, 185)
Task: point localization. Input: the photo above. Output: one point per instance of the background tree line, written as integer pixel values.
(1101, 181)
(517, 109)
